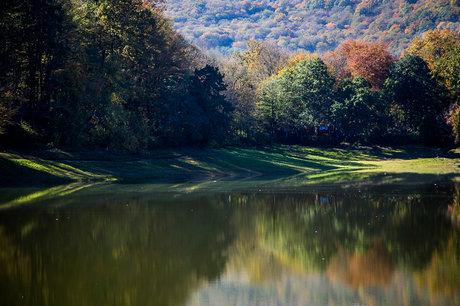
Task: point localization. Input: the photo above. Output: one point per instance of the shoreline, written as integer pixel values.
(54, 167)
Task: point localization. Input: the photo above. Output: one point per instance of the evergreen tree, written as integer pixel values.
(205, 113)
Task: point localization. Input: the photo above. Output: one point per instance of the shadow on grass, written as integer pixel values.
(317, 164)
(216, 163)
(239, 162)
(360, 177)
(363, 153)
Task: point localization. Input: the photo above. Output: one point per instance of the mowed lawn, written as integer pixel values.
(54, 166)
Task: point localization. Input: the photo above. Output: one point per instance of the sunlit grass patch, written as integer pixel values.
(57, 169)
(419, 165)
(318, 164)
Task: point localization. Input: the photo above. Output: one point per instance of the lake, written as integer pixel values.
(218, 243)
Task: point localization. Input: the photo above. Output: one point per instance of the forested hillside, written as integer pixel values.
(102, 74)
(311, 25)
(115, 75)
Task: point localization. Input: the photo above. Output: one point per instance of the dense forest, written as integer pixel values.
(114, 74)
(311, 25)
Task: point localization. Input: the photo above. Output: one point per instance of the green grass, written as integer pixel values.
(303, 164)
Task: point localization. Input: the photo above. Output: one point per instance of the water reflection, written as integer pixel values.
(128, 252)
(367, 245)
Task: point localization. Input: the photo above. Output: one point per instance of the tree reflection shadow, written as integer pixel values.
(159, 248)
(371, 268)
(130, 252)
(360, 238)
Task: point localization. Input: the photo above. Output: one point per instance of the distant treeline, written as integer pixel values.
(310, 25)
(358, 93)
(113, 74)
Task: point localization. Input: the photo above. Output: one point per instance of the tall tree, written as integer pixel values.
(273, 106)
(34, 43)
(311, 86)
(242, 93)
(298, 100)
(412, 93)
(358, 111)
(369, 60)
(206, 114)
(441, 51)
(244, 73)
(263, 60)
(128, 59)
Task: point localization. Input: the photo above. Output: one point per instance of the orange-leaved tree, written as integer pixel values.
(369, 60)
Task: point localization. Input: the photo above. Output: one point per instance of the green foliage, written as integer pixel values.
(114, 75)
(441, 51)
(311, 89)
(98, 77)
(204, 115)
(273, 105)
(358, 113)
(247, 74)
(412, 92)
(34, 44)
(298, 100)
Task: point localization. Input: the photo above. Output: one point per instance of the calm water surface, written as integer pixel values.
(150, 245)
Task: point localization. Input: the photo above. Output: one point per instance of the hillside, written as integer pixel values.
(312, 25)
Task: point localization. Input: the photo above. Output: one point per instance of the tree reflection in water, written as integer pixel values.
(318, 245)
(132, 251)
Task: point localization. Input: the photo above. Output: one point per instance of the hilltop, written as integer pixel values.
(311, 25)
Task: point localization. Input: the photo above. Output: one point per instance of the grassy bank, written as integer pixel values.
(54, 167)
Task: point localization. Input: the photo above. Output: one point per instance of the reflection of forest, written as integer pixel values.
(360, 239)
(371, 268)
(127, 252)
(155, 249)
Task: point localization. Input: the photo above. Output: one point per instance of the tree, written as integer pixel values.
(245, 73)
(311, 93)
(453, 119)
(357, 111)
(412, 93)
(273, 106)
(34, 46)
(263, 60)
(6, 113)
(205, 114)
(441, 51)
(242, 93)
(128, 59)
(298, 100)
(369, 60)
(337, 64)
(294, 60)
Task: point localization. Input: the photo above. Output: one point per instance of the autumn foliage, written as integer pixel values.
(369, 60)
(114, 74)
(313, 25)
